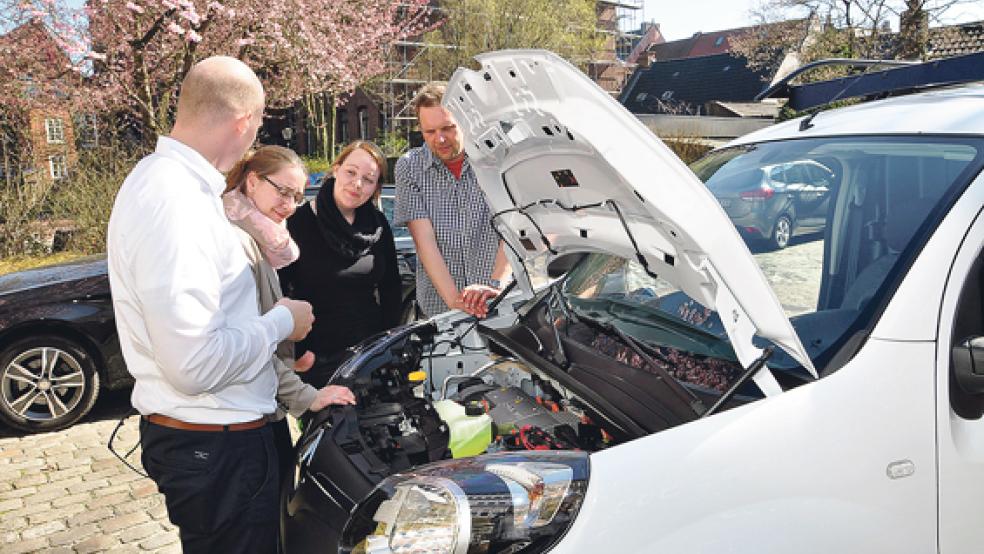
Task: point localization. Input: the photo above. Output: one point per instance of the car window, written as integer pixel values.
(884, 195)
(795, 173)
(818, 175)
(778, 174)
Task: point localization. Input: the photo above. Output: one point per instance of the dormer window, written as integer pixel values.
(667, 95)
(641, 96)
(719, 41)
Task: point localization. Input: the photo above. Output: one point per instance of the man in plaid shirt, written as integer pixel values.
(460, 261)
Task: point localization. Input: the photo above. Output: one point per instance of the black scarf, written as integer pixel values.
(350, 241)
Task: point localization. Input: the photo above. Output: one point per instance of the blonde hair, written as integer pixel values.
(373, 151)
(429, 96)
(265, 160)
(219, 87)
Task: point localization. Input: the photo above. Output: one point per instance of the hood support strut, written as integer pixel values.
(758, 364)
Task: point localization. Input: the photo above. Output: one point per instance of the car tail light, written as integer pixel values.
(764, 192)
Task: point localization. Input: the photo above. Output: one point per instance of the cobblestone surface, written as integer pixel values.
(66, 492)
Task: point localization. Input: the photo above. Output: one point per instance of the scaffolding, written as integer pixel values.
(617, 20)
(409, 67)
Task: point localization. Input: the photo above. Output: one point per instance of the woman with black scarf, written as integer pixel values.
(347, 268)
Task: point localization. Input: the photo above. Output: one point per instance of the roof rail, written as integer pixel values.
(911, 76)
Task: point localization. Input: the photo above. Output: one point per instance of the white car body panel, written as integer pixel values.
(799, 472)
(528, 116)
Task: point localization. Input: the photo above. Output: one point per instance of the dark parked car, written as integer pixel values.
(777, 202)
(58, 344)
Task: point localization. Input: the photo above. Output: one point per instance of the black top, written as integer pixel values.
(341, 269)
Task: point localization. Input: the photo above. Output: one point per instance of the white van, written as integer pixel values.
(663, 394)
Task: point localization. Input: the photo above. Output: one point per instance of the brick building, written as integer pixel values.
(38, 142)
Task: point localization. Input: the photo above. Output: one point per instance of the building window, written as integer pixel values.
(57, 166)
(55, 129)
(86, 130)
(667, 95)
(363, 123)
(641, 96)
(342, 123)
(719, 41)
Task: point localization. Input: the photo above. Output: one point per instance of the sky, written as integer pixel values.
(682, 18)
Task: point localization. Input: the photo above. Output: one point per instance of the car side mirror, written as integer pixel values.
(968, 365)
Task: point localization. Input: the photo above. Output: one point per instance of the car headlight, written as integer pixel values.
(509, 502)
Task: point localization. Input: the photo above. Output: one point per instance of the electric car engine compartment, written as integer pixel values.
(394, 425)
(420, 385)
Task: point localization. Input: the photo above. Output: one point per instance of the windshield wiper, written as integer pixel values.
(682, 392)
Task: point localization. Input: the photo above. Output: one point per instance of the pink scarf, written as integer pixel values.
(278, 248)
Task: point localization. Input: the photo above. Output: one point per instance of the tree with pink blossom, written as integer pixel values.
(134, 53)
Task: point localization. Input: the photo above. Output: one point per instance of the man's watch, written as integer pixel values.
(495, 283)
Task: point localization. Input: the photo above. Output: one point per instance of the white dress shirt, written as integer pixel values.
(185, 298)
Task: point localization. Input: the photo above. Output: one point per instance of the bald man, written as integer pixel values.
(189, 328)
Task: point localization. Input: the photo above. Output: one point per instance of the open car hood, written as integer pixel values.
(567, 169)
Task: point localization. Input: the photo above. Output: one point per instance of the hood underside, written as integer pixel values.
(567, 169)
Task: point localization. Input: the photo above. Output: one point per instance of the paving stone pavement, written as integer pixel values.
(66, 492)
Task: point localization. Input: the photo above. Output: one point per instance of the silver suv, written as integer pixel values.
(776, 202)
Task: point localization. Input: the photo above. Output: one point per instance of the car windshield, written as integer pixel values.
(682, 337)
(860, 209)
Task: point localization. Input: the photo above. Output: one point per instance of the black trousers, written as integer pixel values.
(220, 488)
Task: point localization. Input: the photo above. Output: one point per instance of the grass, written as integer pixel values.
(20, 263)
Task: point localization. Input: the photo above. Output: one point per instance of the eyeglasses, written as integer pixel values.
(292, 196)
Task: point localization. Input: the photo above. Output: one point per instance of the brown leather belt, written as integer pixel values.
(165, 421)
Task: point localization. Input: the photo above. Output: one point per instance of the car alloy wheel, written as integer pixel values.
(782, 232)
(46, 383)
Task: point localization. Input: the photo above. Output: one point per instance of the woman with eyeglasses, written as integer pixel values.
(348, 267)
(262, 191)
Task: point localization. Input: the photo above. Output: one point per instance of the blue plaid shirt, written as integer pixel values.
(426, 189)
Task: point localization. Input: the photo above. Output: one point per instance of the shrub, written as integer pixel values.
(86, 197)
(316, 165)
(393, 144)
(687, 148)
(25, 203)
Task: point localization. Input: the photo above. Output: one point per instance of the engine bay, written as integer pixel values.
(504, 405)
(409, 413)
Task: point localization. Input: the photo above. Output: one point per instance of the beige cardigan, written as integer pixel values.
(293, 395)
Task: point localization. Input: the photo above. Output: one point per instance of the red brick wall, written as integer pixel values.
(38, 136)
